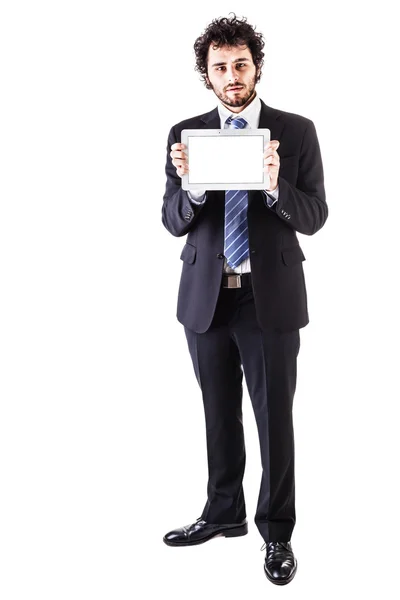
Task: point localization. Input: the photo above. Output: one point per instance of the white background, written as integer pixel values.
(102, 440)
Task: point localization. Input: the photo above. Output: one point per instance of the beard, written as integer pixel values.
(233, 100)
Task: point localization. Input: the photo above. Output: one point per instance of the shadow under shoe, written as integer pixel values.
(280, 564)
(201, 531)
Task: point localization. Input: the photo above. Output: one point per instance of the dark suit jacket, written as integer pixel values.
(275, 254)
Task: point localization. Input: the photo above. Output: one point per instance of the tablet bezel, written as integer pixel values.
(187, 133)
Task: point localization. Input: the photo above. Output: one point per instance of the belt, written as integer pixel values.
(236, 280)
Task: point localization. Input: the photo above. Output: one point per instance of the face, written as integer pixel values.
(228, 68)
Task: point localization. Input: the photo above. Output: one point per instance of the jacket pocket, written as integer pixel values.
(293, 255)
(188, 253)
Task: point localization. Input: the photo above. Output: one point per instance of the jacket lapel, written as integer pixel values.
(211, 119)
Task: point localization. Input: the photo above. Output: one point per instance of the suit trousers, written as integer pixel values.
(235, 344)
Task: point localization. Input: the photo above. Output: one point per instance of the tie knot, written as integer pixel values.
(236, 123)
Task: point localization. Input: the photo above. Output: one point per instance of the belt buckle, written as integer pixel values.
(234, 281)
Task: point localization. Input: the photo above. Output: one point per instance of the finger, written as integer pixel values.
(182, 169)
(177, 146)
(271, 153)
(272, 160)
(271, 169)
(178, 154)
(179, 161)
(272, 146)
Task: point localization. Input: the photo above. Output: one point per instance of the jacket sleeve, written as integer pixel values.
(178, 213)
(303, 207)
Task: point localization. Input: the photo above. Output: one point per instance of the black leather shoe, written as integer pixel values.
(201, 531)
(280, 565)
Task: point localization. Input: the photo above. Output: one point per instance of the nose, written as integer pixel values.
(232, 76)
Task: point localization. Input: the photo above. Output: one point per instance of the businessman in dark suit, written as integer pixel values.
(242, 296)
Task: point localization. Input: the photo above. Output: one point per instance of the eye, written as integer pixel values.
(238, 64)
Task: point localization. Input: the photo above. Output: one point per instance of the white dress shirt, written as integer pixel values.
(252, 115)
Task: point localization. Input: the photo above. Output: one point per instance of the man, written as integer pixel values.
(242, 296)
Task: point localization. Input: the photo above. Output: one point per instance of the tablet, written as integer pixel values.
(225, 159)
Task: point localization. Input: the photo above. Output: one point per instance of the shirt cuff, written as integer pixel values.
(196, 196)
(272, 196)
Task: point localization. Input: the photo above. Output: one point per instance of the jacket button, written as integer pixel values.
(220, 256)
(252, 251)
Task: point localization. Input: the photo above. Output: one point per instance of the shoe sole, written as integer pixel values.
(281, 581)
(234, 532)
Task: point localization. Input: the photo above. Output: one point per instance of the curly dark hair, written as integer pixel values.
(228, 32)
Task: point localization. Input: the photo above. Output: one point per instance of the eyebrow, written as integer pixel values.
(217, 64)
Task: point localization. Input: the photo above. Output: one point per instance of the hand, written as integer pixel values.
(179, 159)
(272, 164)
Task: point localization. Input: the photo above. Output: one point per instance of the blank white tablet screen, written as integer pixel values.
(219, 159)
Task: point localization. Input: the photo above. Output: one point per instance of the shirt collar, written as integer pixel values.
(251, 113)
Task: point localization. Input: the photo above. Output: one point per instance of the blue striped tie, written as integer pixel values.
(236, 245)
